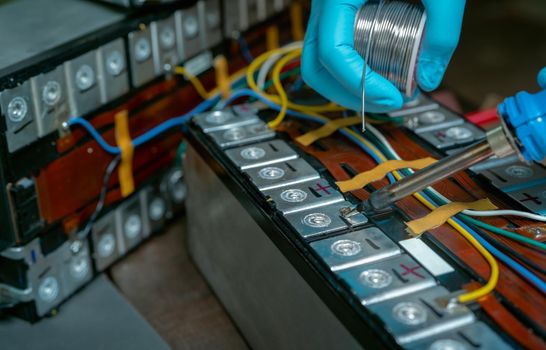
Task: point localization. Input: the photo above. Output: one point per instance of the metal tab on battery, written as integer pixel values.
(188, 32)
(282, 174)
(475, 336)
(210, 18)
(431, 120)
(387, 279)
(516, 176)
(242, 135)
(165, 51)
(453, 136)
(355, 248)
(304, 196)
(141, 57)
(417, 316)
(18, 110)
(222, 120)
(113, 70)
(130, 224)
(105, 242)
(261, 154)
(322, 220)
(82, 78)
(50, 100)
(419, 105)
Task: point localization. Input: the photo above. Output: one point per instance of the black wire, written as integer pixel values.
(507, 249)
(102, 196)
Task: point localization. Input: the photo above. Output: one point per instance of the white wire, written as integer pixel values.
(485, 213)
(270, 62)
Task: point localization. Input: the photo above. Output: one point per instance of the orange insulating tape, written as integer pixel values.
(296, 17)
(327, 129)
(381, 171)
(441, 214)
(222, 76)
(272, 41)
(125, 144)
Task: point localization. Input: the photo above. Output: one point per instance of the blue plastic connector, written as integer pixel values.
(525, 115)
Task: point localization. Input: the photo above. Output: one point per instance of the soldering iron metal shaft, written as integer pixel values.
(428, 176)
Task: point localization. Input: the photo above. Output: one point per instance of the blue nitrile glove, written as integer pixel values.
(331, 65)
(542, 78)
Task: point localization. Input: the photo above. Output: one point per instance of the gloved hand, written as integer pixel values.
(542, 78)
(331, 65)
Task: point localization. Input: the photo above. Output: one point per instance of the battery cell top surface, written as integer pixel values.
(30, 28)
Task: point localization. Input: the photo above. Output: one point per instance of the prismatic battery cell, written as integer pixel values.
(355, 248)
(304, 196)
(387, 279)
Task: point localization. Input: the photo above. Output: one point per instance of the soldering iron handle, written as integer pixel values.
(430, 175)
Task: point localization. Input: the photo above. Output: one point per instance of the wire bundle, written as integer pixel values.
(387, 35)
(379, 149)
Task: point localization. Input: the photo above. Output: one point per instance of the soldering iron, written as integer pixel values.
(522, 132)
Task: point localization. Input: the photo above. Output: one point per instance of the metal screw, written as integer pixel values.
(17, 109)
(271, 173)
(177, 187)
(519, 171)
(317, 220)
(253, 153)
(167, 38)
(132, 226)
(115, 64)
(410, 313)
(346, 247)
(191, 27)
(51, 93)
(85, 77)
(79, 267)
(432, 117)
(234, 134)
(48, 289)
(76, 247)
(213, 19)
(142, 50)
(106, 245)
(376, 278)
(157, 209)
(218, 117)
(293, 195)
(458, 133)
(447, 344)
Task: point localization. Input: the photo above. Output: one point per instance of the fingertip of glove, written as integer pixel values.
(430, 74)
(542, 78)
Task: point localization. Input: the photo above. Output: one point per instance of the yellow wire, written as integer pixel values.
(199, 86)
(194, 81)
(253, 67)
(278, 85)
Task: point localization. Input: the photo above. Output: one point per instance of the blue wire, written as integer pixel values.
(91, 130)
(149, 135)
(245, 50)
(520, 269)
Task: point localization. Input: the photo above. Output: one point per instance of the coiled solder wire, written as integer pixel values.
(388, 35)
